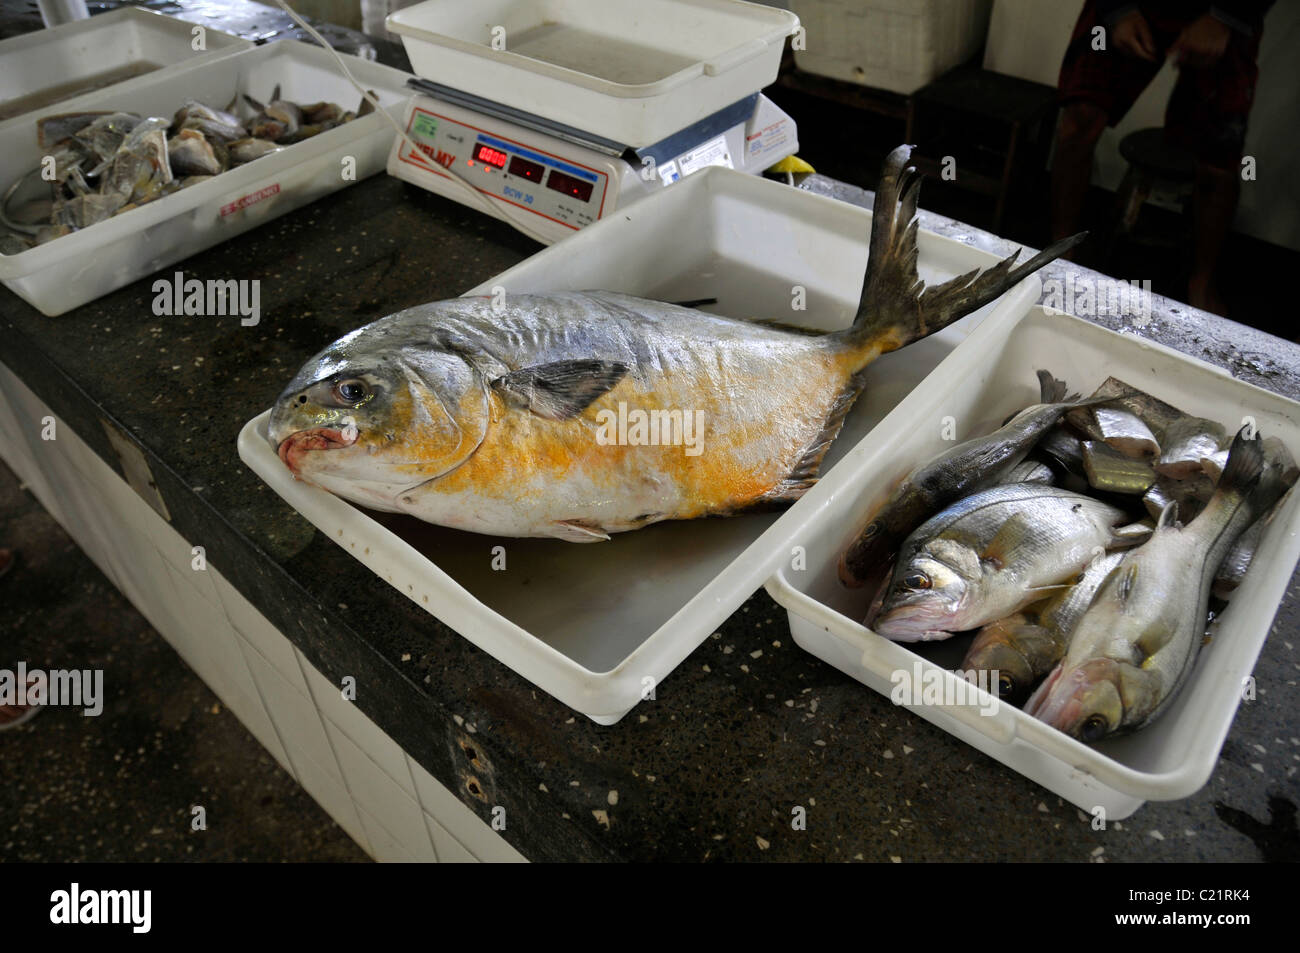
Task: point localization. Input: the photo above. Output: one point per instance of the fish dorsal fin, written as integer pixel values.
(1011, 534)
(562, 389)
(1168, 516)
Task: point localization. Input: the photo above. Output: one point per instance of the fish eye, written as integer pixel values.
(916, 580)
(1006, 685)
(871, 530)
(1094, 728)
(351, 391)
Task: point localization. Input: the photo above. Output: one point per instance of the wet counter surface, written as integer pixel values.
(747, 729)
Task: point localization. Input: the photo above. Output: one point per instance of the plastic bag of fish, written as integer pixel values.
(1087, 544)
(100, 164)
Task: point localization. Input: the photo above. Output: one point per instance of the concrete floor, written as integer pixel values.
(121, 786)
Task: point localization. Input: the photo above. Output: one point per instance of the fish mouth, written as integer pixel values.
(293, 447)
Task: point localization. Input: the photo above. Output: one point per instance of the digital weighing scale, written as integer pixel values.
(552, 115)
(560, 178)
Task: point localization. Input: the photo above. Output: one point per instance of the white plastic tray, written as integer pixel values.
(634, 72)
(69, 271)
(41, 69)
(589, 624)
(987, 378)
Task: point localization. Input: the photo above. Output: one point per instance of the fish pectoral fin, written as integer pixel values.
(1042, 592)
(578, 531)
(562, 389)
(1002, 547)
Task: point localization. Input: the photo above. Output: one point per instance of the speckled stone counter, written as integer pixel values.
(746, 729)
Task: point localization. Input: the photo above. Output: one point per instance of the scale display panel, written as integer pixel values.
(560, 190)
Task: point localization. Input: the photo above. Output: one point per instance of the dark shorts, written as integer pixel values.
(1208, 109)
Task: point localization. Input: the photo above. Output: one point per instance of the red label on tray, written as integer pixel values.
(252, 198)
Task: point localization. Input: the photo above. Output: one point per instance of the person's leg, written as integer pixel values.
(1097, 87)
(1214, 204)
(1080, 127)
(1207, 115)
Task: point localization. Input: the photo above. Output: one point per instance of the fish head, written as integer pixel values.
(1005, 647)
(374, 415)
(925, 600)
(1084, 701)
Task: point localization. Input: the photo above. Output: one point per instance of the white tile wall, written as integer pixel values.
(450, 850)
(394, 809)
(452, 813)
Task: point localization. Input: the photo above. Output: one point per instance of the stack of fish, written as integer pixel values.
(100, 164)
(1086, 543)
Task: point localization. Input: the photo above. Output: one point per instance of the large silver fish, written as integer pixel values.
(993, 553)
(582, 414)
(1134, 647)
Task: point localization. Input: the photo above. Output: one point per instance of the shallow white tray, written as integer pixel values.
(634, 72)
(589, 624)
(76, 268)
(990, 376)
(41, 69)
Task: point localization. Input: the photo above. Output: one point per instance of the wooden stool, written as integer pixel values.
(1152, 160)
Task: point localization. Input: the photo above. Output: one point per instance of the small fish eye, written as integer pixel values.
(351, 391)
(1094, 728)
(916, 580)
(1006, 685)
(871, 530)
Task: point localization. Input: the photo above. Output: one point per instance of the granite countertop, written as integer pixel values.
(710, 769)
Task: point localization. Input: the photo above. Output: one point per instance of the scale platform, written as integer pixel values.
(550, 179)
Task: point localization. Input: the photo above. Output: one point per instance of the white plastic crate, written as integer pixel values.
(632, 72)
(990, 376)
(41, 69)
(590, 624)
(898, 45)
(76, 268)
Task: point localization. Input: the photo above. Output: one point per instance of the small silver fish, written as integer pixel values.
(991, 554)
(1134, 647)
(1030, 471)
(1123, 431)
(1024, 647)
(246, 150)
(1114, 472)
(189, 153)
(1187, 443)
(959, 471)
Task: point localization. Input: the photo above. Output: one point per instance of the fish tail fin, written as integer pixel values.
(1245, 463)
(898, 308)
(1052, 390)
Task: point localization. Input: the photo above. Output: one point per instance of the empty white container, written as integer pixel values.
(898, 45)
(598, 626)
(632, 72)
(40, 69)
(978, 385)
(79, 267)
